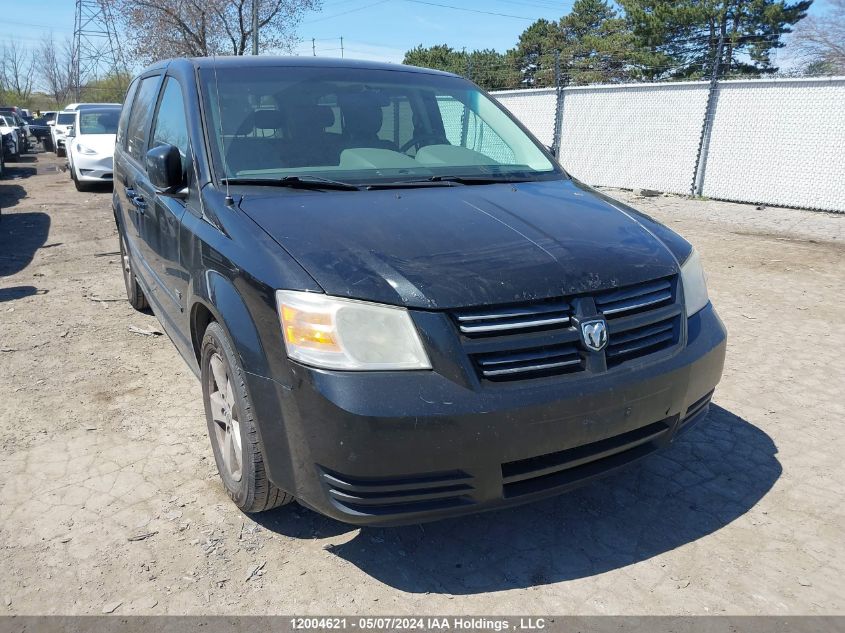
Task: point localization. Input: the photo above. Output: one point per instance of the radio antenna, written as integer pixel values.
(229, 200)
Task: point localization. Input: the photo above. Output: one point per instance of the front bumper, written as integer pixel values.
(404, 447)
(93, 168)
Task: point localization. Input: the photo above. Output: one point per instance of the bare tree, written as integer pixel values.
(17, 71)
(157, 29)
(56, 66)
(821, 38)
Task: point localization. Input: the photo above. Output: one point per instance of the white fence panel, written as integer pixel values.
(633, 136)
(779, 142)
(773, 141)
(535, 108)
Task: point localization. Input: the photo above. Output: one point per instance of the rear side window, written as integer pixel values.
(120, 141)
(136, 137)
(170, 127)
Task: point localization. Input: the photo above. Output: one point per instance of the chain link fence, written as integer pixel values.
(776, 141)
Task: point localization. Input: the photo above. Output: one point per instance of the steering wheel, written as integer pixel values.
(419, 141)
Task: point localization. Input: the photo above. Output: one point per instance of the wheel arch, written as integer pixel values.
(221, 302)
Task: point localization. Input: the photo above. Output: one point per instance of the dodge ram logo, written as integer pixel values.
(594, 334)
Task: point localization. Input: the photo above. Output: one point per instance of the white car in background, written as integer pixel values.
(9, 138)
(90, 146)
(64, 120)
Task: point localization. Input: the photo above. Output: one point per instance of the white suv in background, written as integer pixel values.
(64, 120)
(90, 148)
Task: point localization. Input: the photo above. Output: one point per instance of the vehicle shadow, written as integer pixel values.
(19, 292)
(21, 235)
(10, 195)
(705, 480)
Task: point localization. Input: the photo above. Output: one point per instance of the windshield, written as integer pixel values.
(362, 126)
(98, 122)
(5, 122)
(66, 118)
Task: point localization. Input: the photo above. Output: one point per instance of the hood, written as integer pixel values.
(449, 247)
(101, 143)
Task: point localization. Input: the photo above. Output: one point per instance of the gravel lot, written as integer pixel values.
(110, 502)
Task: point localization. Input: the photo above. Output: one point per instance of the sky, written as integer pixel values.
(379, 30)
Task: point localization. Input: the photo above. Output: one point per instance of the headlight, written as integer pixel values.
(85, 150)
(695, 285)
(338, 333)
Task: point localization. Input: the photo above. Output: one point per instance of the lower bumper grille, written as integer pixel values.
(569, 467)
(379, 496)
(698, 407)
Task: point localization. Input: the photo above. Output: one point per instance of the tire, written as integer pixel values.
(60, 152)
(231, 427)
(133, 291)
(80, 186)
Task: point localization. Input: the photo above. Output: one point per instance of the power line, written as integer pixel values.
(329, 17)
(449, 6)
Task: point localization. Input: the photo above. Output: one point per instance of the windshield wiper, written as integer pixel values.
(443, 181)
(295, 182)
(475, 180)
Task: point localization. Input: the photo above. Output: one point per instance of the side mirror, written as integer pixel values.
(164, 168)
(70, 131)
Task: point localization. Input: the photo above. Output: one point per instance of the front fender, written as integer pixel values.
(220, 297)
(224, 304)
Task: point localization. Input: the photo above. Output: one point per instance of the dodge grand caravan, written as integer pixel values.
(399, 306)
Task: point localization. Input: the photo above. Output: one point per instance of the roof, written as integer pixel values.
(269, 61)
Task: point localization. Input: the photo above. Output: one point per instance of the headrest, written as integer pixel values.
(324, 115)
(268, 119)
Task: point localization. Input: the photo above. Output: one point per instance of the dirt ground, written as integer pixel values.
(110, 501)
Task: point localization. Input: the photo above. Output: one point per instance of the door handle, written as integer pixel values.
(140, 204)
(130, 192)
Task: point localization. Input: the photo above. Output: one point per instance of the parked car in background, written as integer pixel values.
(59, 130)
(393, 320)
(13, 114)
(79, 106)
(39, 128)
(90, 146)
(10, 138)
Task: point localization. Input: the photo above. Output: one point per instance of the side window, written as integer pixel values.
(171, 127)
(465, 128)
(139, 117)
(124, 114)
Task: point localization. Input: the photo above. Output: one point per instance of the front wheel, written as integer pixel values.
(231, 427)
(80, 186)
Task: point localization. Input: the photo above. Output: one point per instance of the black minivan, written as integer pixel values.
(400, 307)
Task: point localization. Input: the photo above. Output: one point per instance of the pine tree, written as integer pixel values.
(687, 33)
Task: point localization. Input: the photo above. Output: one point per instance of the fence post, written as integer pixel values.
(707, 125)
(558, 106)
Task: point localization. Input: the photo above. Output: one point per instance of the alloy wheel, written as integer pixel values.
(227, 427)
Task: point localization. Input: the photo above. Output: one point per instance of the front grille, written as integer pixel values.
(634, 299)
(544, 360)
(379, 496)
(569, 467)
(538, 339)
(514, 319)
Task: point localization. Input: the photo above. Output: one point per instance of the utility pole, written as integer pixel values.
(341, 47)
(255, 27)
(314, 46)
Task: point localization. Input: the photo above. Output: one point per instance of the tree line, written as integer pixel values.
(651, 40)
